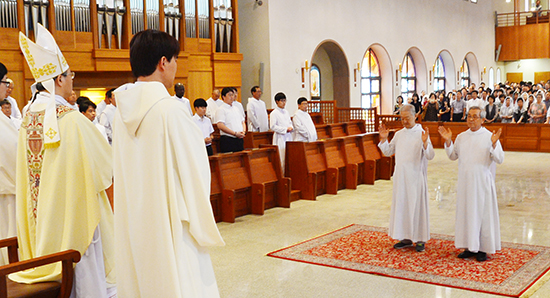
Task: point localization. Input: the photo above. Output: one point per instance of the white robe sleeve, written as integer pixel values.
(429, 151)
(451, 151)
(252, 117)
(300, 127)
(497, 154)
(388, 149)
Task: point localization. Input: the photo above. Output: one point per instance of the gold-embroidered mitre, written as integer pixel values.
(44, 57)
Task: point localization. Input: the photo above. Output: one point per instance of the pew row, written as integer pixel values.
(335, 130)
(247, 182)
(328, 165)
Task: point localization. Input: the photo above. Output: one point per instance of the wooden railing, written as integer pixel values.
(326, 112)
(521, 18)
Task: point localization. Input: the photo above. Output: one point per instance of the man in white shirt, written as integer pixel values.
(179, 89)
(15, 113)
(213, 103)
(475, 102)
(231, 123)
(203, 123)
(6, 109)
(256, 112)
(107, 116)
(304, 128)
(238, 103)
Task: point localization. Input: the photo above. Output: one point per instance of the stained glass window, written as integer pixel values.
(464, 74)
(370, 81)
(439, 75)
(315, 79)
(408, 77)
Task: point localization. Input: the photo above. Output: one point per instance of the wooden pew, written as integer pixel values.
(355, 163)
(266, 172)
(255, 139)
(337, 170)
(216, 187)
(306, 164)
(336, 130)
(239, 195)
(383, 166)
(322, 131)
(355, 127)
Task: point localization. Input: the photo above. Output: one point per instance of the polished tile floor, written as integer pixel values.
(243, 269)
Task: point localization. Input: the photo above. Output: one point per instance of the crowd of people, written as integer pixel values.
(522, 102)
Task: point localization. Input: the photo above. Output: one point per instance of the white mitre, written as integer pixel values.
(46, 62)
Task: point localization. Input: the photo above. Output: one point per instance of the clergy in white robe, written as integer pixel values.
(304, 128)
(281, 125)
(409, 217)
(213, 103)
(8, 153)
(163, 220)
(256, 112)
(179, 89)
(15, 112)
(477, 222)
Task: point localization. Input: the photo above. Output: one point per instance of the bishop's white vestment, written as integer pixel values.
(61, 201)
(477, 221)
(257, 115)
(279, 122)
(163, 219)
(409, 218)
(304, 128)
(8, 153)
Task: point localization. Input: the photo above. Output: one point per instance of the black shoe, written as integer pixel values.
(420, 246)
(481, 256)
(466, 254)
(402, 244)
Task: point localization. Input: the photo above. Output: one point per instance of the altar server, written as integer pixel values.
(8, 153)
(163, 220)
(477, 223)
(256, 112)
(409, 221)
(281, 125)
(63, 169)
(304, 128)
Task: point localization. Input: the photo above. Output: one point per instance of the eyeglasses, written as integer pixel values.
(7, 83)
(73, 74)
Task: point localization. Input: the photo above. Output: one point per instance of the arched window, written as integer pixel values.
(464, 74)
(439, 75)
(408, 78)
(370, 81)
(491, 78)
(315, 79)
(499, 80)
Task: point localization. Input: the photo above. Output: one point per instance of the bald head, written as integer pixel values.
(215, 94)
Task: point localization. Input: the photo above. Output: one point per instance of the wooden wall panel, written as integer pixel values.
(542, 46)
(542, 76)
(507, 37)
(526, 45)
(514, 76)
(199, 86)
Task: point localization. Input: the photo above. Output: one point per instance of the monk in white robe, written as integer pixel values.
(409, 220)
(477, 222)
(281, 125)
(304, 128)
(8, 150)
(163, 220)
(256, 112)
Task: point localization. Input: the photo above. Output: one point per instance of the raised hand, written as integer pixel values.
(383, 133)
(446, 134)
(496, 136)
(425, 135)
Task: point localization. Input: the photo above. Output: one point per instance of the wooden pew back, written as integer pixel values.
(337, 130)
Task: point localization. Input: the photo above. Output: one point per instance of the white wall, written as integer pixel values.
(254, 44)
(322, 60)
(527, 67)
(296, 28)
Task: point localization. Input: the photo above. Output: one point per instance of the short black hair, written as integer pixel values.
(109, 93)
(226, 90)
(280, 96)
(148, 47)
(83, 107)
(254, 89)
(199, 102)
(3, 70)
(301, 99)
(81, 99)
(5, 102)
(179, 86)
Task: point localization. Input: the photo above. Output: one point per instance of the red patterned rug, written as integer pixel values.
(516, 271)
